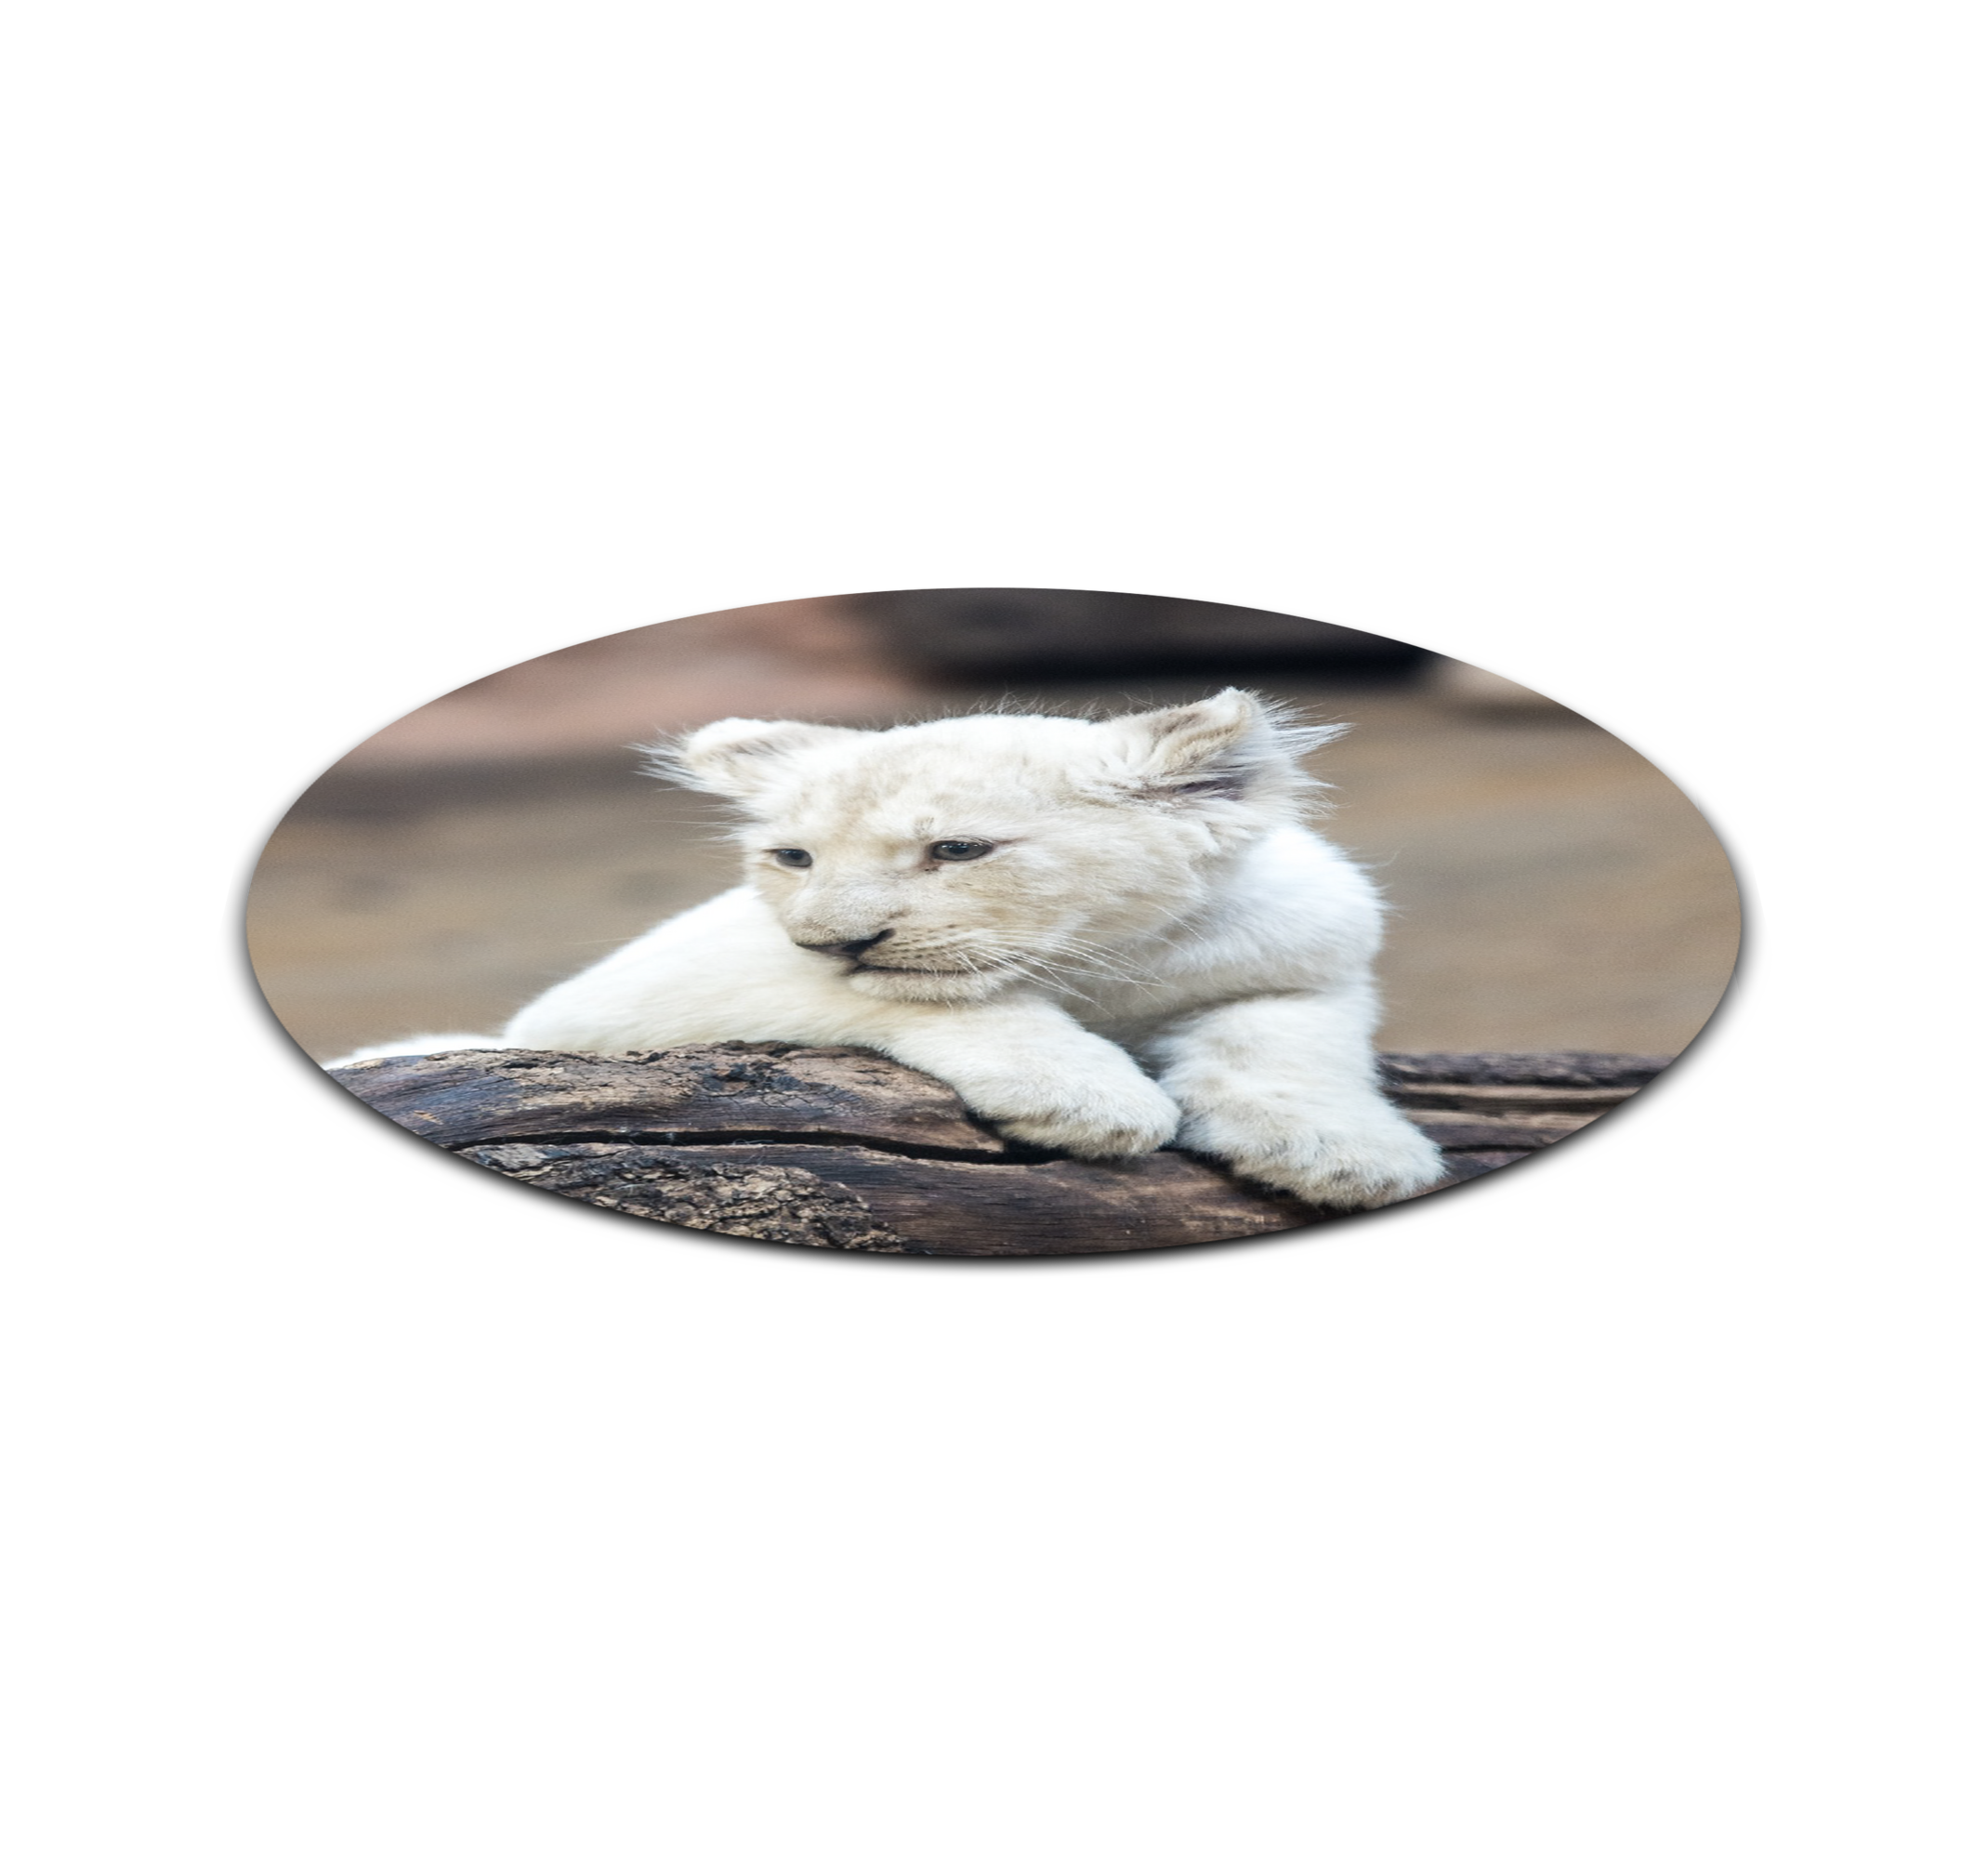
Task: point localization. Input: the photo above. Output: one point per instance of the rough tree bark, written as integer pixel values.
(835, 1147)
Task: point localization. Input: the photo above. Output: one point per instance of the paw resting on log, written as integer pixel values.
(831, 1146)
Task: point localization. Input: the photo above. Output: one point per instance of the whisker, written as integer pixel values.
(1097, 958)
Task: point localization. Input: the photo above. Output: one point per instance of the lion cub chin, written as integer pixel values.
(1105, 936)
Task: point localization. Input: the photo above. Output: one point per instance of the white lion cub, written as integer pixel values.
(1105, 936)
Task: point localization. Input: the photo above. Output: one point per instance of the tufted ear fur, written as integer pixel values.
(741, 757)
(1226, 748)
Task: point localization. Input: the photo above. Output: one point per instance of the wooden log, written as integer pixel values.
(730, 1093)
(832, 1146)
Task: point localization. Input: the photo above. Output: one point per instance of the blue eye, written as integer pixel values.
(957, 852)
(792, 857)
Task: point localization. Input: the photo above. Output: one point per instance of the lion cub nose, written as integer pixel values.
(855, 946)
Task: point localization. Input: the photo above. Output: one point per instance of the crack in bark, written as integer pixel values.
(1015, 1156)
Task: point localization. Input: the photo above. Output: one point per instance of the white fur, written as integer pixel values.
(1156, 950)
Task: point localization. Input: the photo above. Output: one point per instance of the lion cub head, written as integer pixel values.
(944, 861)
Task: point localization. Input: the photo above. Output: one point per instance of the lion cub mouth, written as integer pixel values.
(894, 981)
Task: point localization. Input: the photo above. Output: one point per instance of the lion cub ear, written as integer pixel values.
(1181, 743)
(740, 757)
(1220, 748)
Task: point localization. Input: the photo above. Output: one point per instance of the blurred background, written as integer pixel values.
(1551, 889)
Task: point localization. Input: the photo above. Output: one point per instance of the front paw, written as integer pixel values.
(1346, 1169)
(1099, 1125)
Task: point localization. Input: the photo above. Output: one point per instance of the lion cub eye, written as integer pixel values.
(792, 857)
(956, 852)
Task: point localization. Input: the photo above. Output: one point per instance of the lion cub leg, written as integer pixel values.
(1033, 1072)
(1282, 1088)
